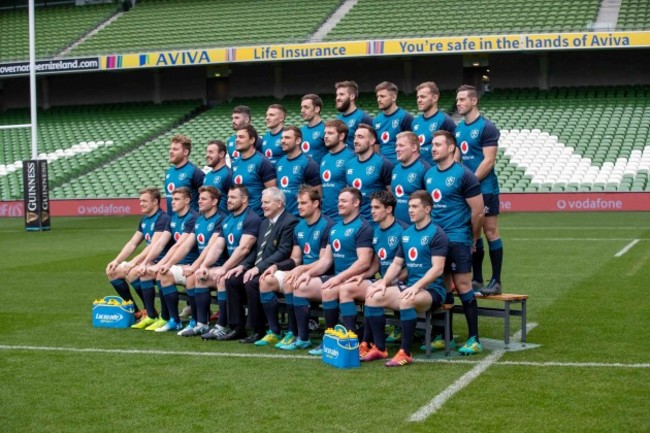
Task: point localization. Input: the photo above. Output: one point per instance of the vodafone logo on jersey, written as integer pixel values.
(231, 238)
(421, 139)
(464, 147)
(177, 236)
(305, 146)
(268, 153)
(436, 195)
(356, 183)
(382, 254)
(171, 187)
(239, 179)
(235, 154)
(336, 245)
(327, 175)
(413, 254)
(147, 237)
(200, 238)
(284, 182)
(385, 136)
(307, 249)
(399, 191)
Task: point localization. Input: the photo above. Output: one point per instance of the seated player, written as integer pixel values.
(150, 228)
(423, 248)
(309, 243)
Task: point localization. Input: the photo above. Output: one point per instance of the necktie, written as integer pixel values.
(265, 239)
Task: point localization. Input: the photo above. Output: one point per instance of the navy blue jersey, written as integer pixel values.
(151, 224)
(471, 139)
(222, 180)
(333, 179)
(385, 242)
(253, 172)
(417, 248)
(312, 238)
(292, 174)
(204, 228)
(368, 176)
(352, 121)
(450, 188)
(272, 146)
(404, 182)
(312, 141)
(387, 127)
(189, 176)
(424, 127)
(344, 239)
(235, 226)
(179, 225)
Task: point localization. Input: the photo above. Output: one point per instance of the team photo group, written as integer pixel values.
(388, 212)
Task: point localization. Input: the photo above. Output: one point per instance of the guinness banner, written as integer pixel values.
(37, 195)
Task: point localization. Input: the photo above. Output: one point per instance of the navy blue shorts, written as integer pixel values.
(459, 258)
(437, 300)
(491, 202)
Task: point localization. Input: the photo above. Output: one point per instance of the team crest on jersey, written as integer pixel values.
(450, 181)
(474, 134)
(231, 238)
(424, 240)
(217, 180)
(251, 167)
(336, 245)
(348, 232)
(315, 135)
(305, 146)
(296, 169)
(416, 128)
(284, 182)
(182, 176)
(377, 125)
(171, 187)
(200, 238)
(421, 139)
(433, 126)
(413, 254)
(395, 123)
(399, 191)
(436, 195)
(307, 249)
(385, 136)
(382, 254)
(239, 225)
(370, 170)
(151, 227)
(278, 143)
(177, 236)
(350, 123)
(239, 179)
(316, 234)
(210, 227)
(327, 175)
(464, 147)
(340, 163)
(356, 183)
(411, 177)
(392, 241)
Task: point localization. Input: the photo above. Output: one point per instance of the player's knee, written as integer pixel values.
(269, 284)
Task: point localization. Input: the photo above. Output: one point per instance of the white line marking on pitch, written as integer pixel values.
(576, 239)
(626, 248)
(439, 400)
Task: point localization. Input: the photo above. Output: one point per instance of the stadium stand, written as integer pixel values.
(78, 139)
(634, 15)
(173, 24)
(56, 28)
(382, 19)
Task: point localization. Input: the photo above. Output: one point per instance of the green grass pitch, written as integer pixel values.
(591, 373)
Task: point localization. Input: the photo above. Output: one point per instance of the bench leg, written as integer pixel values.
(427, 333)
(448, 314)
(506, 337)
(523, 323)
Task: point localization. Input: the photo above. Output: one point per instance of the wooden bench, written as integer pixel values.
(509, 300)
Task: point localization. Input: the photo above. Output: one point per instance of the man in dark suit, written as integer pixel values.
(274, 244)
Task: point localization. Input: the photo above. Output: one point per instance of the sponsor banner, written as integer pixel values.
(51, 66)
(36, 195)
(575, 202)
(515, 202)
(387, 47)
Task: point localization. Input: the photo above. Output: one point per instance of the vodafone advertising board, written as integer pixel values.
(536, 202)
